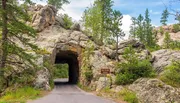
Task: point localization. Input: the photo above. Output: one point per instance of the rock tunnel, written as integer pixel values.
(71, 58)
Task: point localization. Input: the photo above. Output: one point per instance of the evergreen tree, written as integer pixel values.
(143, 30)
(149, 36)
(15, 33)
(115, 28)
(133, 27)
(139, 33)
(167, 40)
(58, 3)
(98, 18)
(164, 17)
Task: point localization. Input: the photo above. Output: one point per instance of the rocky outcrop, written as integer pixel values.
(168, 28)
(163, 58)
(43, 17)
(155, 91)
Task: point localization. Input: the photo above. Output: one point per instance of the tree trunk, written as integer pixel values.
(4, 35)
(117, 48)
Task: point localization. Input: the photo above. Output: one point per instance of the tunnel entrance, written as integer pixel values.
(70, 58)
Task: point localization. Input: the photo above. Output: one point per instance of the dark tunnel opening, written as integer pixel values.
(71, 58)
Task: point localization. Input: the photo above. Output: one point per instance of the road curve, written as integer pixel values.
(70, 94)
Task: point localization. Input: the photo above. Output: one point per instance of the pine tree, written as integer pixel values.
(167, 40)
(14, 33)
(164, 17)
(133, 27)
(98, 18)
(149, 36)
(58, 3)
(115, 28)
(140, 33)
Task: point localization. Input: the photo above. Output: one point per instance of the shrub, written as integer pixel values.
(133, 68)
(88, 75)
(176, 28)
(171, 75)
(128, 96)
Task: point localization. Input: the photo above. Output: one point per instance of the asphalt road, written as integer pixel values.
(66, 93)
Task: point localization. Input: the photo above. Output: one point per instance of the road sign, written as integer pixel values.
(105, 71)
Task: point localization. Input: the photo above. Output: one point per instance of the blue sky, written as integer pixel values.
(129, 8)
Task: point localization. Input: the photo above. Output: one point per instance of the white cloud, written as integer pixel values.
(126, 23)
(43, 2)
(75, 9)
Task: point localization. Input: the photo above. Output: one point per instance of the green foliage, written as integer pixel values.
(115, 29)
(86, 68)
(133, 27)
(175, 45)
(133, 68)
(97, 20)
(171, 74)
(16, 34)
(167, 40)
(164, 17)
(61, 71)
(88, 75)
(67, 21)
(21, 95)
(128, 96)
(58, 3)
(161, 30)
(176, 28)
(142, 29)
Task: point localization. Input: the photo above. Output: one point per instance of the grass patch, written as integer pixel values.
(124, 96)
(128, 96)
(21, 95)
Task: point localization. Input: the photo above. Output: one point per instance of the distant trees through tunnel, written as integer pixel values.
(67, 66)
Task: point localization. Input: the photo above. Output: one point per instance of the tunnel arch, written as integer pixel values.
(69, 54)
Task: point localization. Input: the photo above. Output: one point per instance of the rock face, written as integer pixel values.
(44, 16)
(163, 58)
(103, 82)
(168, 28)
(155, 91)
(42, 80)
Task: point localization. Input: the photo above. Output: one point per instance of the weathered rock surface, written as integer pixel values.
(103, 82)
(168, 28)
(163, 58)
(155, 91)
(42, 80)
(44, 16)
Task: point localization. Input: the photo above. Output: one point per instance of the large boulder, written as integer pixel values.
(155, 91)
(163, 58)
(44, 17)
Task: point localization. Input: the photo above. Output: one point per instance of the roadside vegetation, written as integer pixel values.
(21, 95)
(125, 94)
(133, 68)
